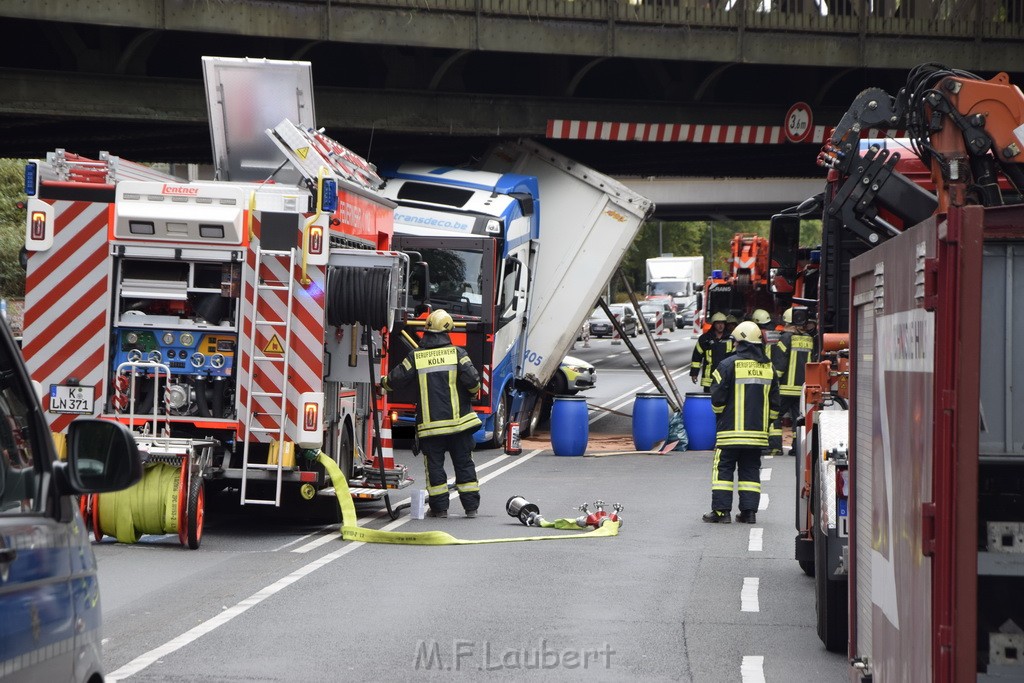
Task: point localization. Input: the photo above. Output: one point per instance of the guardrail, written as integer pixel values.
(964, 19)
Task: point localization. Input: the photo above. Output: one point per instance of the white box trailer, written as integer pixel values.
(587, 222)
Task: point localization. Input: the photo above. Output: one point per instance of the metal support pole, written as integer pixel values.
(654, 347)
(636, 354)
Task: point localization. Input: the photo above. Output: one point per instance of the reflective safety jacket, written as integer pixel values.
(745, 397)
(708, 353)
(447, 383)
(789, 356)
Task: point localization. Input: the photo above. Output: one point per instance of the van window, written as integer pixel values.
(18, 480)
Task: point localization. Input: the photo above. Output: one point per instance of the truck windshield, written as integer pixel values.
(669, 287)
(456, 280)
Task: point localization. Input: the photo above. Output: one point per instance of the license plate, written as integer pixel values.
(72, 400)
(842, 527)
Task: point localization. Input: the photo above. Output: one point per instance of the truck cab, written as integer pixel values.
(473, 237)
(49, 591)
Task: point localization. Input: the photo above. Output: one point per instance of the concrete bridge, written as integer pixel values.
(633, 87)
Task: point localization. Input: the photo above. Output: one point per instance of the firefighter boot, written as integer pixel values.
(717, 517)
(747, 517)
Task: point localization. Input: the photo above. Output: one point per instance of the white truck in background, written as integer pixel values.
(587, 222)
(679, 277)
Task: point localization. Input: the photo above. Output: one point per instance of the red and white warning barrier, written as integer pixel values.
(568, 129)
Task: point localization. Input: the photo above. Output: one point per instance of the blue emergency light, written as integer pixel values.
(329, 195)
(716, 274)
(31, 173)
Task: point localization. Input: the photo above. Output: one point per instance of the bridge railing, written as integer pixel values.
(1003, 19)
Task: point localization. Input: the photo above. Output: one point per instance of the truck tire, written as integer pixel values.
(798, 460)
(195, 511)
(500, 424)
(830, 597)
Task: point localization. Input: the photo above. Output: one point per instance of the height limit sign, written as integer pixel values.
(798, 122)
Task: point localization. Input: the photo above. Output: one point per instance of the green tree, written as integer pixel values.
(12, 227)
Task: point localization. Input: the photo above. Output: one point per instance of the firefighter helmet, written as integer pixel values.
(761, 317)
(787, 317)
(731, 320)
(718, 318)
(440, 321)
(747, 332)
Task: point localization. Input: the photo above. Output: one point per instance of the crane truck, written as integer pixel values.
(517, 248)
(227, 322)
(910, 514)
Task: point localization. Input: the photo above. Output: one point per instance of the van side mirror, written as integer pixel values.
(102, 456)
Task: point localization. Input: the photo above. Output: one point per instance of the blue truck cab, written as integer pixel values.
(49, 593)
(475, 234)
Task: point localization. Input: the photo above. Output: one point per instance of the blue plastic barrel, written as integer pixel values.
(650, 420)
(570, 428)
(699, 421)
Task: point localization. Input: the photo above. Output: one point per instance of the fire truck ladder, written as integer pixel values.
(264, 281)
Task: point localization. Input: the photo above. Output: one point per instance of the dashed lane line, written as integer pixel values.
(748, 595)
(756, 542)
(752, 669)
(763, 505)
(766, 474)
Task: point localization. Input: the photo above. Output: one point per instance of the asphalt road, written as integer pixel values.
(271, 597)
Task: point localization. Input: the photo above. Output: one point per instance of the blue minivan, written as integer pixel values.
(49, 593)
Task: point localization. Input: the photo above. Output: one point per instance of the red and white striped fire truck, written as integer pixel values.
(230, 322)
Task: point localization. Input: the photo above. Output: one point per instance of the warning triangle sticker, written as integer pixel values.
(302, 152)
(273, 346)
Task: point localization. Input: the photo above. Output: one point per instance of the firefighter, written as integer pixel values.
(768, 334)
(789, 356)
(711, 348)
(745, 397)
(811, 330)
(445, 420)
(731, 322)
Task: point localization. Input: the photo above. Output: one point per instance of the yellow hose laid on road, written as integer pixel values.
(351, 532)
(148, 507)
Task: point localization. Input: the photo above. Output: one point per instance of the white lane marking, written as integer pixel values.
(752, 669)
(756, 542)
(769, 457)
(143, 661)
(331, 532)
(766, 474)
(292, 542)
(748, 595)
(763, 505)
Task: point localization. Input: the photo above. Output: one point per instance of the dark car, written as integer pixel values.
(601, 326)
(49, 591)
(650, 309)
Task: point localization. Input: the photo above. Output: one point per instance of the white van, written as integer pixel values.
(49, 593)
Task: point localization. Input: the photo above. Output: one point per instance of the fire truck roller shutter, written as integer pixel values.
(358, 295)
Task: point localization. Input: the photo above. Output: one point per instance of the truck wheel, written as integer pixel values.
(196, 508)
(346, 452)
(533, 419)
(500, 424)
(808, 567)
(829, 598)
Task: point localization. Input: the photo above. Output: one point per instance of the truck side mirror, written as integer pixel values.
(784, 243)
(526, 204)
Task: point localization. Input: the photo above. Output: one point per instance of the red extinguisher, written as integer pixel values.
(512, 445)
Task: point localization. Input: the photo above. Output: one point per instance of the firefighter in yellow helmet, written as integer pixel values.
(708, 352)
(745, 397)
(445, 420)
(763, 319)
(789, 356)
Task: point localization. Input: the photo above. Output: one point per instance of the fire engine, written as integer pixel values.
(229, 322)
(912, 522)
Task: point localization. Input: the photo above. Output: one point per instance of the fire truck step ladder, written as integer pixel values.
(271, 359)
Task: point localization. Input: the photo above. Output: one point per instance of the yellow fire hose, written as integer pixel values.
(351, 532)
(148, 507)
